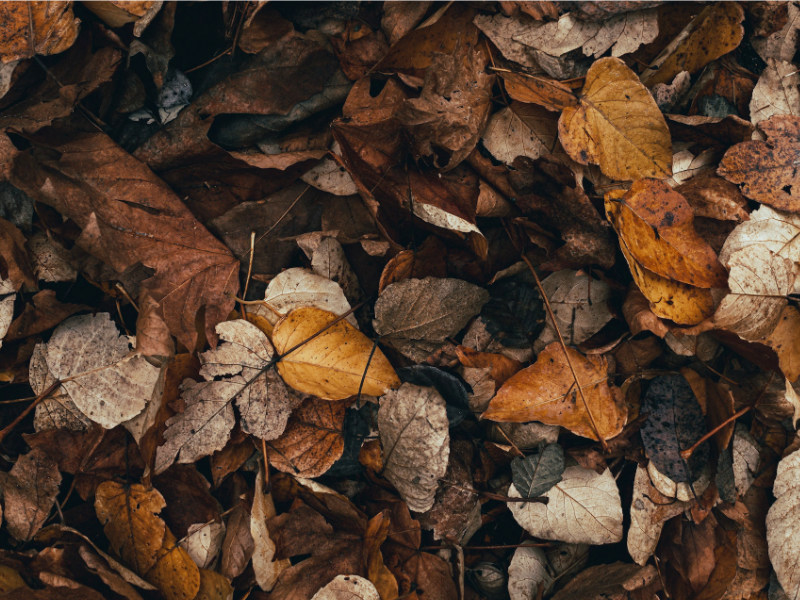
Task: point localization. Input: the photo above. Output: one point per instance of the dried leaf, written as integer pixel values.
(507, 135)
(766, 170)
(298, 287)
(549, 93)
(174, 574)
(784, 552)
(265, 567)
(413, 426)
(615, 581)
(628, 140)
(416, 315)
(528, 574)
(116, 13)
(333, 364)
(546, 392)
(583, 508)
(29, 493)
(536, 473)
(674, 422)
(203, 543)
(348, 587)
(715, 31)
(776, 92)
(36, 28)
(313, 439)
(501, 367)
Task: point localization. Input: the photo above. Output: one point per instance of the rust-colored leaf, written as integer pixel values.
(550, 93)
(29, 28)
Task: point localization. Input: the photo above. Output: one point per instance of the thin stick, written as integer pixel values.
(283, 216)
(8, 428)
(209, 61)
(685, 454)
(550, 314)
(495, 547)
(249, 271)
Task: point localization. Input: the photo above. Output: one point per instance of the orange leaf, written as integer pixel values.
(502, 367)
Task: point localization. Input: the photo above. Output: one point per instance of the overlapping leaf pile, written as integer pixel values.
(376, 300)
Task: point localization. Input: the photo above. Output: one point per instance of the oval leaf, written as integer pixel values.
(536, 473)
(782, 524)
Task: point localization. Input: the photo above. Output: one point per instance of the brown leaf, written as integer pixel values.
(30, 491)
(766, 170)
(14, 258)
(715, 31)
(399, 18)
(785, 341)
(501, 367)
(152, 334)
(333, 364)
(550, 93)
(44, 312)
(426, 261)
(116, 13)
(313, 439)
(546, 392)
(628, 140)
(655, 224)
(636, 310)
(616, 581)
(265, 567)
(36, 28)
(776, 92)
(213, 586)
(100, 187)
(715, 198)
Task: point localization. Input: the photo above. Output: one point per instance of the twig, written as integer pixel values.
(686, 454)
(249, 272)
(8, 428)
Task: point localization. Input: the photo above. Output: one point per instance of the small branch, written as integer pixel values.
(8, 428)
(686, 454)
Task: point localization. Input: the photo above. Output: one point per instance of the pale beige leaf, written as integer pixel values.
(580, 306)
(329, 260)
(682, 491)
(329, 176)
(776, 92)
(265, 567)
(6, 306)
(759, 282)
(416, 315)
(503, 31)
(413, 428)
(625, 32)
(617, 125)
(793, 398)
(298, 287)
(781, 44)
(107, 382)
(203, 542)
(51, 261)
(746, 451)
(782, 524)
(649, 511)
(507, 136)
(348, 587)
(329, 360)
(528, 574)
(584, 507)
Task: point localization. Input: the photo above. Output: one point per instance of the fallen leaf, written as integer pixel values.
(43, 312)
(628, 140)
(674, 422)
(580, 306)
(100, 187)
(501, 367)
(776, 92)
(549, 93)
(6, 306)
(615, 581)
(51, 261)
(349, 587)
(650, 509)
(507, 135)
(238, 545)
(400, 18)
(329, 176)
(715, 31)
(266, 568)
(446, 121)
(777, 39)
(36, 28)
(622, 33)
(416, 315)
(29, 493)
(638, 315)
(546, 392)
(116, 14)
(313, 439)
(106, 381)
(536, 473)
(784, 340)
(329, 260)
(766, 170)
(413, 427)
(174, 574)
(203, 542)
(781, 520)
(298, 287)
(715, 198)
(335, 362)
(528, 574)
(583, 508)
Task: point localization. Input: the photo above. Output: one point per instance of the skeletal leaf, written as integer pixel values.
(628, 139)
(348, 587)
(107, 382)
(413, 427)
(536, 473)
(782, 523)
(298, 287)
(584, 507)
(332, 365)
(546, 391)
(776, 92)
(674, 422)
(416, 315)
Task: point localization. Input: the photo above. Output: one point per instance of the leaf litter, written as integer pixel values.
(367, 333)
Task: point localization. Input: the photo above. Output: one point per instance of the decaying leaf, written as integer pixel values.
(509, 135)
(416, 315)
(536, 473)
(265, 567)
(784, 552)
(36, 28)
(107, 381)
(550, 93)
(584, 507)
(313, 439)
(617, 581)
(348, 587)
(413, 427)
(298, 287)
(546, 391)
(767, 170)
(334, 362)
(29, 493)
(528, 574)
(776, 92)
(628, 139)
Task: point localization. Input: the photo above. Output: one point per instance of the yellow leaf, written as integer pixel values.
(36, 28)
(546, 392)
(332, 364)
(174, 574)
(617, 125)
